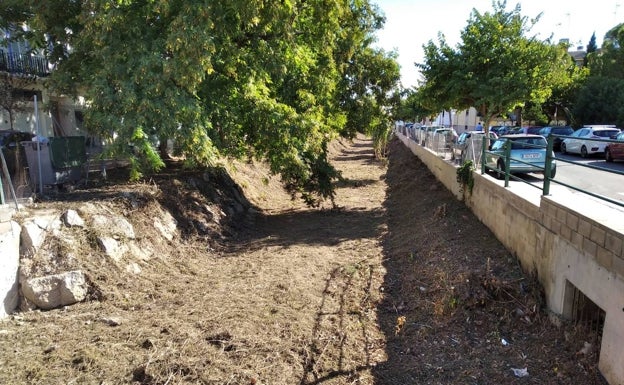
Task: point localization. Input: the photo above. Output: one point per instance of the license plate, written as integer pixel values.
(531, 156)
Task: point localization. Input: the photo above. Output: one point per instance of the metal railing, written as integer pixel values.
(415, 136)
(507, 159)
(438, 142)
(25, 64)
(549, 159)
(548, 179)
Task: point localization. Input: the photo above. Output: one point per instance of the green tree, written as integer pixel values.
(270, 80)
(565, 91)
(411, 106)
(495, 68)
(416, 106)
(591, 48)
(609, 61)
(601, 94)
(371, 105)
(601, 101)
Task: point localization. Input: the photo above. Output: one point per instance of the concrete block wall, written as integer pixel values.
(586, 251)
(512, 219)
(596, 239)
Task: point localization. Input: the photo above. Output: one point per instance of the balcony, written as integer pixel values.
(24, 64)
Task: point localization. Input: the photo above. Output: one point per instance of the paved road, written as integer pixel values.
(596, 181)
(600, 182)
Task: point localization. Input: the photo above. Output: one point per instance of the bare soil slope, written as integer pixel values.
(398, 284)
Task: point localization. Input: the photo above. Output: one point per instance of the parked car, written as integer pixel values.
(449, 133)
(450, 136)
(556, 131)
(425, 132)
(459, 147)
(506, 130)
(581, 143)
(499, 130)
(533, 130)
(528, 154)
(615, 150)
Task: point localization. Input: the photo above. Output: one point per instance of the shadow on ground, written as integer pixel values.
(458, 309)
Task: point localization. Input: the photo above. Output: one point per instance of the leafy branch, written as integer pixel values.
(465, 177)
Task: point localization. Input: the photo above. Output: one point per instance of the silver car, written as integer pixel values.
(464, 140)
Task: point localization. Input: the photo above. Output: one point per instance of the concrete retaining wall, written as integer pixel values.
(9, 264)
(568, 239)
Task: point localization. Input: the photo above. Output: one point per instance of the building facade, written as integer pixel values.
(26, 103)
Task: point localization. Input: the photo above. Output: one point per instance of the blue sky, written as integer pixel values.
(412, 23)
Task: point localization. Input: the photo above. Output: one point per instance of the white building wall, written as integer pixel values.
(467, 120)
(27, 121)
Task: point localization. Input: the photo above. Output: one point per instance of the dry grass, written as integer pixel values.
(399, 285)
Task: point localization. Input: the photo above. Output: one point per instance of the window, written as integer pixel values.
(79, 119)
(26, 95)
(499, 145)
(606, 133)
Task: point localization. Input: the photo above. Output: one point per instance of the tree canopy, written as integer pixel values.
(495, 68)
(273, 80)
(609, 61)
(600, 95)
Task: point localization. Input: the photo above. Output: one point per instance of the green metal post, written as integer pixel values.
(1, 192)
(483, 157)
(548, 165)
(507, 160)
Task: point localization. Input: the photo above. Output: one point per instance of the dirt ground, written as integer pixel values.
(398, 284)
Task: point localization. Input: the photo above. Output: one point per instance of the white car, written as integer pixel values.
(580, 141)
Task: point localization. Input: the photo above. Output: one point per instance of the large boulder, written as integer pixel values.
(71, 218)
(115, 226)
(56, 290)
(34, 230)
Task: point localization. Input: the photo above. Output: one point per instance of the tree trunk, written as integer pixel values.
(162, 149)
(519, 116)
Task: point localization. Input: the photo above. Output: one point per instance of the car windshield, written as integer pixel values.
(521, 143)
(527, 143)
